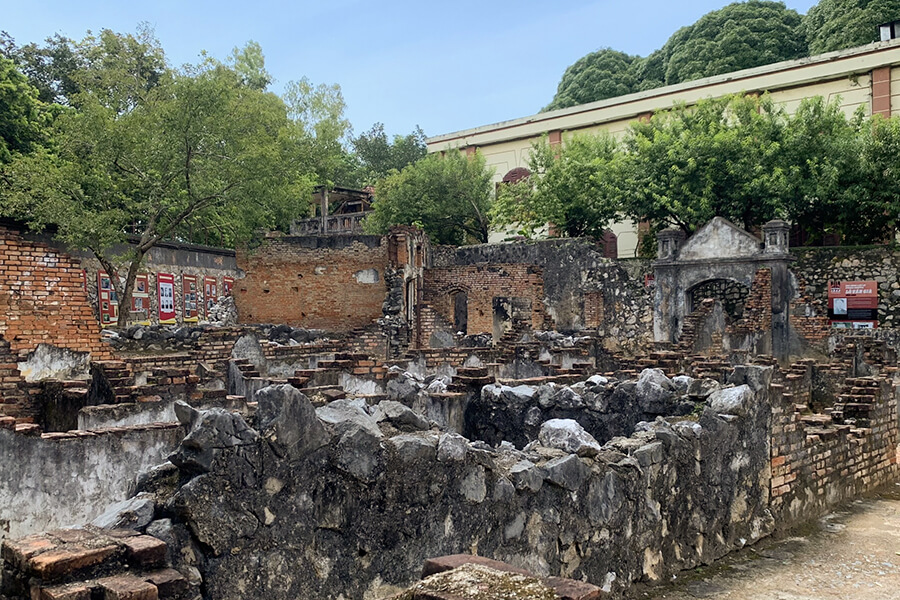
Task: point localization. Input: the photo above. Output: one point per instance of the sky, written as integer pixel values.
(444, 66)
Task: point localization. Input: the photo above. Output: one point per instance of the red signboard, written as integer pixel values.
(189, 293)
(853, 304)
(140, 298)
(210, 292)
(165, 284)
(109, 300)
(227, 285)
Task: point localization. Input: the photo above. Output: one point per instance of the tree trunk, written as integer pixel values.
(128, 291)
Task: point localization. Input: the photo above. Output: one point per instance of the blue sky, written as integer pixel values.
(444, 66)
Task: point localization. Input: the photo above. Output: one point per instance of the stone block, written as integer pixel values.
(169, 583)
(145, 550)
(127, 587)
(19, 552)
(71, 591)
(59, 563)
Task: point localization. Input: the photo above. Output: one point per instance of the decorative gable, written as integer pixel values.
(719, 239)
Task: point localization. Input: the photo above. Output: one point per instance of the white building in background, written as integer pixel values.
(866, 76)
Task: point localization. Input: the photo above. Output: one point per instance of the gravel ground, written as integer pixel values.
(851, 554)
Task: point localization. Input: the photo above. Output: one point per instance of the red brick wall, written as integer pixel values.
(42, 299)
(312, 282)
(483, 283)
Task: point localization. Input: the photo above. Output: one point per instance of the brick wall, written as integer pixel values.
(483, 283)
(42, 299)
(334, 283)
(820, 460)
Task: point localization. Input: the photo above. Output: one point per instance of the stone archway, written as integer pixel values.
(723, 253)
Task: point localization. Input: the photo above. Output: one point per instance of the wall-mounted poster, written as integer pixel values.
(166, 287)
(140, 299)
(190, 289)
(853, 304)
(210, 292)
(108, 300)
(227, 285)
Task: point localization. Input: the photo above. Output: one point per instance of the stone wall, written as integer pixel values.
(330, 503)
(42, 299)
(582, 288)
(335, 283)
(61, 479)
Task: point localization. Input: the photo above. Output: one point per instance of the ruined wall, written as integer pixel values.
(342, 508)
(821, 460)
(582, 288)
(335, 283)
(482, 284)
(815, 267)
(60, 479)
(42, 299)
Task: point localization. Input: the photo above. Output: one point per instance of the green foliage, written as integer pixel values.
(839, 24)
(720, 157)
(569, 187)
(322, 130)
(448, 196)
(250, 63)
(378, 155)
(49, 68)
(741, 35)
(23, 117)
(877, 216)
(606, 73)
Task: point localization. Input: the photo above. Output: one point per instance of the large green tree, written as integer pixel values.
(569, 187)
(838, 24)
(721, 157)
(23, 117)
(741, 35)
(154, 153)
(448, 196)
(606, 73)
(379, 155)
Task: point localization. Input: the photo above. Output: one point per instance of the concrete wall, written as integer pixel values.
(62, 479)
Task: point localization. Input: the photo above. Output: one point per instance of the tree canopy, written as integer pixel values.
(378, 155)
(448, 196)
(839, 24)
(568, 187)
(23, 117)
(740, 35)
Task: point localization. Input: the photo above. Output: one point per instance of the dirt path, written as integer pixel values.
(852, 554)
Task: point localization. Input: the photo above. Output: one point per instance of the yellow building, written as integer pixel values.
(866, 76)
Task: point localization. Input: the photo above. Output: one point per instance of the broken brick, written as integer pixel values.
(127, 587)
(145, 550)
(58, 563)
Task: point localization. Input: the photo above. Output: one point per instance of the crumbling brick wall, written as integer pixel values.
(43, 300)
(334, 283)
(481, 284)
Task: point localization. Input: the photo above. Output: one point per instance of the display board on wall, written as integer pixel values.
(109, 300)
(853, 304)
(140, 298)
(166, 289)
(189, 293)
(210, 292)
(227, 285)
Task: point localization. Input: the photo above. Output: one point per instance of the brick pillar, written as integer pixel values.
(881, 91)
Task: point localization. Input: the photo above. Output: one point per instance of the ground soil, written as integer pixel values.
(851, 554)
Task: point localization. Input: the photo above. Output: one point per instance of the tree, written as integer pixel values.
(720, 157)
(876, 216)
(378, 155)
(606, 73)
(839, 24)
(448, 196)
(49, 68)
(150, 153)
(741, 35)
(250, 63)
(568, 187)
(321, 131)
(823, 160)
(23, 117)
